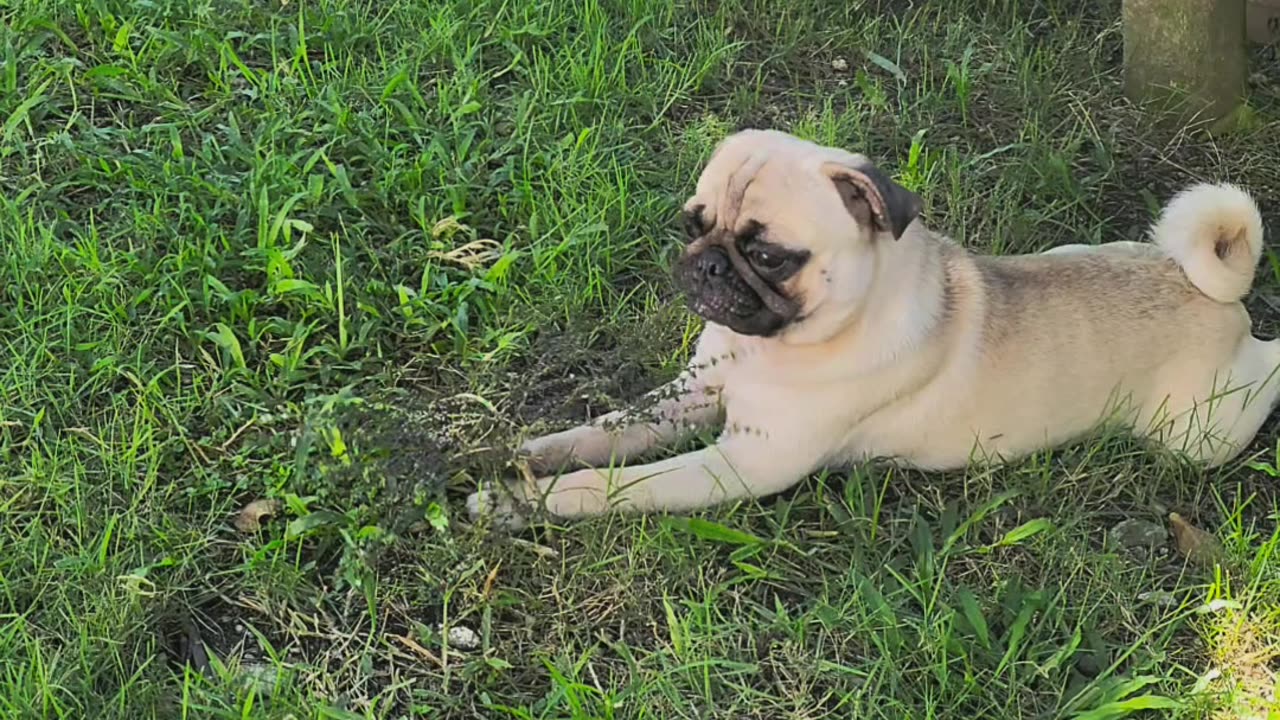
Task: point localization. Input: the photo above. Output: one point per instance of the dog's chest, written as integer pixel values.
(770, 402)
(818, 402)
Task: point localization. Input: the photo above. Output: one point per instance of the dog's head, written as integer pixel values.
(783, 235)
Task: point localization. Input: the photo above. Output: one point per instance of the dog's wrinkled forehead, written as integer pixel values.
(767, 173)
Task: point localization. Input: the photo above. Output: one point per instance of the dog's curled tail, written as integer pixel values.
(1215, 233)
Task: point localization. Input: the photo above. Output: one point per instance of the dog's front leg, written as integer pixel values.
(683, 406)
(734, 468)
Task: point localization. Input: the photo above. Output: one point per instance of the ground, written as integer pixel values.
(339, 255)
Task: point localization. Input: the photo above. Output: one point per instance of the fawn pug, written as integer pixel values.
(838, 329)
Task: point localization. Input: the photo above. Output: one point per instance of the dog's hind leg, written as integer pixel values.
(1121, 248)
(1216, 428)
(1258, 364)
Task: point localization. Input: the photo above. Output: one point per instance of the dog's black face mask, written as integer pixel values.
(736, 280)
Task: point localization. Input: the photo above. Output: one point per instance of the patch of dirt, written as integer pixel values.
(222, 630)
(572, 376)
(386, 456)
(566, 376)
(259, 639)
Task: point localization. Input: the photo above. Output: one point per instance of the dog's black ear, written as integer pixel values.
(873, 198)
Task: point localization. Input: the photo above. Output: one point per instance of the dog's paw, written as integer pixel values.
(501, 507)
(555, 451)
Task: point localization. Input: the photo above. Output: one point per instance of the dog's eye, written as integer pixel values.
(765, 260)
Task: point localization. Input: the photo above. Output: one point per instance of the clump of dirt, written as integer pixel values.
(576, 373)
(569, 378)
(259, 640)
(387, 456)
(219, 629)
(373, 454)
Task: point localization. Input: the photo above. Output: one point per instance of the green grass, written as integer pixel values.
(340, 253)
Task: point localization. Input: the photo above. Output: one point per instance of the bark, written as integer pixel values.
(1187, 57)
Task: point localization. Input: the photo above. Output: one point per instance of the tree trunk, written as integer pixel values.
(1186, 56)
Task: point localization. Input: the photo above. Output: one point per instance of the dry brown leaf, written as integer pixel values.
(250, 518)
(1198, 546)
(488, 581)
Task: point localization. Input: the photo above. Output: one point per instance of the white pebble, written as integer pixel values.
(463, 638)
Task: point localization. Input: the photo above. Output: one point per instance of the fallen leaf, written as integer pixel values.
(250, 518)
(1196, 545)
(488, 581)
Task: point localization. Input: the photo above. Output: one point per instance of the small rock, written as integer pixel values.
(1139, 538)
(463, 638)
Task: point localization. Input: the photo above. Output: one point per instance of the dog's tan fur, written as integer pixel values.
(916, 350)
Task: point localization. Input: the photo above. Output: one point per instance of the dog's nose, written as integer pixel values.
(713, 263)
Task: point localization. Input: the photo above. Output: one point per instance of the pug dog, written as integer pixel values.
(840, 329)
